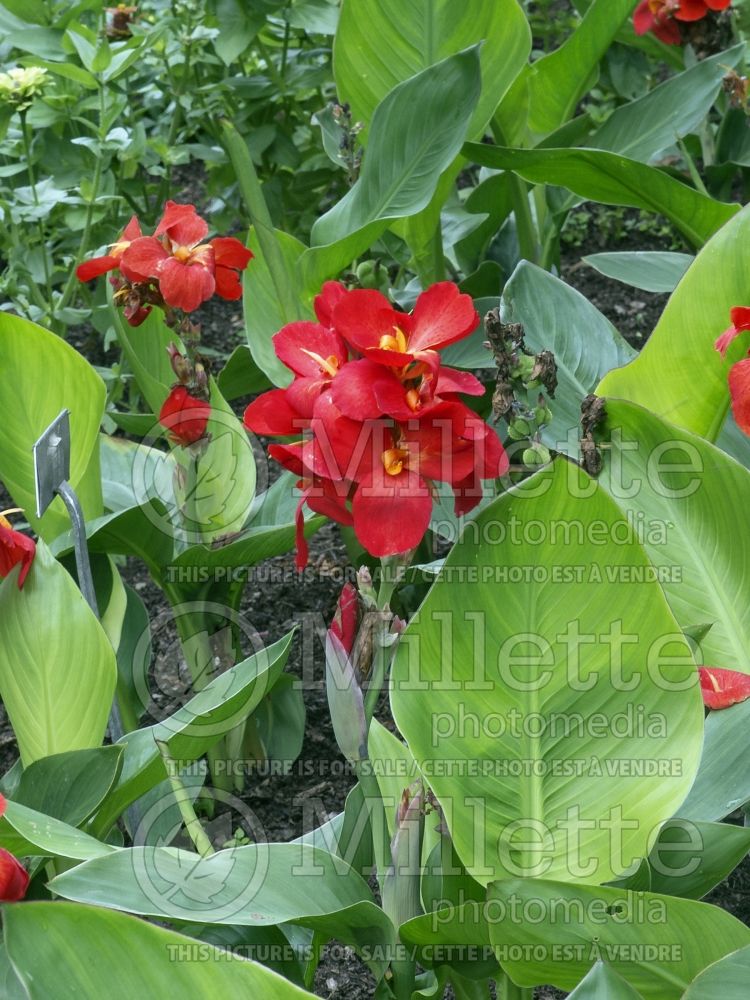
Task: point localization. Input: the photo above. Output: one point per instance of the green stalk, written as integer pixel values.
(252, 195)
(70, 284)
(32, 184)
(192, 824)
(692, 169)
(528, 234)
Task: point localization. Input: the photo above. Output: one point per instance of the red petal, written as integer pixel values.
(230, 252)
(91, 269)
(643, 19)
(668, 32)
(343, 448)
(142, 259)
(304, 393)
(182, 224)
(691, 10)
(739, 387)
(740, 317)
(364, 316)
(717, 4)
(331, 294)
(467, 495)
(722, 688)
(272, 415)
(296, 342)
(324, 498)
(303, 552)
(132, 231)
(451, 380)
(185, 286)
(228, 284)
(442, 316)
(289, 456)
(365, 390)
(14, 879)
(391, 513)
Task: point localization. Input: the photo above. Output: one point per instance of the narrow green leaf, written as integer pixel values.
(612, 179)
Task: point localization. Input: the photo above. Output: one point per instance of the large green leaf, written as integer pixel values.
(651, 270)
(41, 375)
(586, 346)
(264, 314)
(430, 114)
(601, 982)
(657, 943)
(682, 494)
(678, 374)
(216, 710)
(68, 951)
(419, 33)
(556, 81)
(518, 624)
(69, 786)
(723, 980)
(690, 858)
(255, 885)
(458, 936)
(645, 127)
(598, 175)
(723, 780)
(26, 832)
(57, 667)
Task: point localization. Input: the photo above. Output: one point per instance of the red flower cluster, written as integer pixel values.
(739, 374)
(661, 16)
(15, 548)
(381, 414)
(14, 879)
(723, 688)
(174, 266)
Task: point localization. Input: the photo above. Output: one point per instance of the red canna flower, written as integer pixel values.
(722, 688)
(90, 269)
(184, 416)
(660, 16)
(14, 879)
(381, 429)
(739, 374)
(15, 548)
(188, 270)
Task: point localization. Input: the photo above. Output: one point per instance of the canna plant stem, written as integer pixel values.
(192, 824)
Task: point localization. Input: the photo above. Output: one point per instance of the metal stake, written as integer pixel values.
(52, 471)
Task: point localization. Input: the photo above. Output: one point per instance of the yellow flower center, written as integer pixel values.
(328, 366)
(394, 342)
(394, 460)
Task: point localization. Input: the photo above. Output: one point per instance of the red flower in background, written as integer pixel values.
(660, 16)
(722, 688)
(14, 879)
(174, 266)
(15, 548)
(381, 417)
(184, 416)
(739, 373)
(188, 270)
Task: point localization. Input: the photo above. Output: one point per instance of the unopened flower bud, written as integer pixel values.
(20, 85)
(180, 364)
